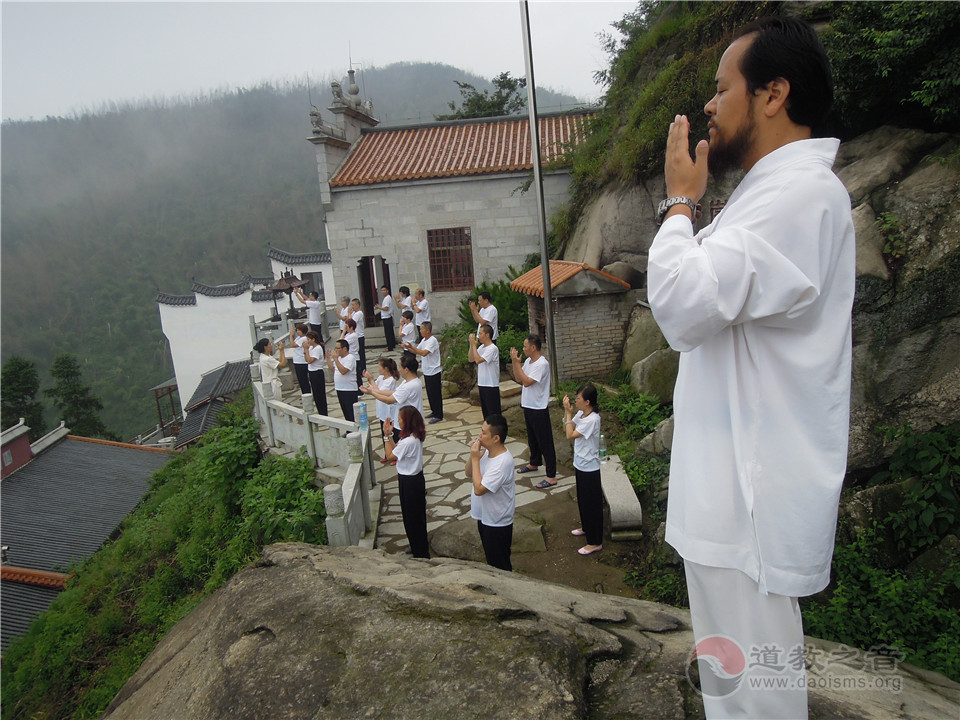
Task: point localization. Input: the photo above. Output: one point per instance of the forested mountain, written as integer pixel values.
(101, 211)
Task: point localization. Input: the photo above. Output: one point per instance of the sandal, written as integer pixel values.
(527, 469)
(585, 551)
(543, 485)
(578, 532)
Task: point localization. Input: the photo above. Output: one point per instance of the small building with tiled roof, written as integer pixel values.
(591, 311)
(58, 509)
(440, 206)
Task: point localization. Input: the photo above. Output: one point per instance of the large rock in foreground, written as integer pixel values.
(315, 632)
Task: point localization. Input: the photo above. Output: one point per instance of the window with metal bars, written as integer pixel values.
(451, 259)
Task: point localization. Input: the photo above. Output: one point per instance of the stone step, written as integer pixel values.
(626, 514)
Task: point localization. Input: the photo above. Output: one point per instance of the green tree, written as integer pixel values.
(21, 383)
(505, 100)
(80, 408)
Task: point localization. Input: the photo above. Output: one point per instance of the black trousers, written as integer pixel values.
(388, 333)
(318, 386)
(489, 401)
(362, 362)
(413, 505)
(347, 398)
(318, 329)
(303, 377)
(496, 543)
(590, 502)
(434, 394)
(540, 439)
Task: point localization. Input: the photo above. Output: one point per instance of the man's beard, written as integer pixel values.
(726, 156)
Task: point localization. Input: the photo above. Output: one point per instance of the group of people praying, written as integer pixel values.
(398, 393)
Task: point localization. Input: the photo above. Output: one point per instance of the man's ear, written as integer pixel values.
(777, 94)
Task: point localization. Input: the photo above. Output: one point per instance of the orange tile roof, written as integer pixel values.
(531, 283)
(488, 145)
(40, 578)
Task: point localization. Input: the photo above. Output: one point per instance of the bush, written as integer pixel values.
(930, 463)
(869, 606)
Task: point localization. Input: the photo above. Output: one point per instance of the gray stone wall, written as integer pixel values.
(392, 221)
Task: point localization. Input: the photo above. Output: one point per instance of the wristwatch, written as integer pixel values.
(670, 202)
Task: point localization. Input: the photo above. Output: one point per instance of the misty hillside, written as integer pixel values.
(99, 212)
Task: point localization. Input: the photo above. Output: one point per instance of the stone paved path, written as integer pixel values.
(445, 452)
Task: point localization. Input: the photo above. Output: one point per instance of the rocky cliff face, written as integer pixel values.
(907, 311)
(316, 632)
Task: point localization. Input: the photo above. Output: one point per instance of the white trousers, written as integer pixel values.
(769, 678)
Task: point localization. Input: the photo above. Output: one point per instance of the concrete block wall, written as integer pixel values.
(391, 221)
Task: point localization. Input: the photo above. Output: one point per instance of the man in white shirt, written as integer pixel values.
(421, 309)
(486, 313)
(344, 311)
(356, 312)
(314, 310)
(429, 350)
(534, 375)
(487, 357)
(758, 303)
(408, 392)
(385, 307)
(493, 496)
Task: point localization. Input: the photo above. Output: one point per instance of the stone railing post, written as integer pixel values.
(337, 534)
(306, 403)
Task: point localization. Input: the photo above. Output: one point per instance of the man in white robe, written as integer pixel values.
(759, 304)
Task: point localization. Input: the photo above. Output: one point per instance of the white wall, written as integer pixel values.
(391, 220)
(205, 336)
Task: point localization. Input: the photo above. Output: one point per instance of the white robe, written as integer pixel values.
(759, 304)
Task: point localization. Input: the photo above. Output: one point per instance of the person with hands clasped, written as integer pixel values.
(389, 376)
(344, 368)
(758, 303)
(269, 365)
(493, 498)
(407, 455)
(298, 339)
(534, 375)
(487, 357)
(318, 381)
(408, 392)
(584, 429)
(429, 350)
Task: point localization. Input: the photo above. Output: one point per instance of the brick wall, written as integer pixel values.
(590, 332)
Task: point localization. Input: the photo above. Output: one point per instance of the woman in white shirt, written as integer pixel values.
(389, 376)
(269, 365)
(584, 429)
(318, 381)
(408, 333)
(408, 455)
(298, 339)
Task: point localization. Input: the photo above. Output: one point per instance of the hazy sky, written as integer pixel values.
(65, 57)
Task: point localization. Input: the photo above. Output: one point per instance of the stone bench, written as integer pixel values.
(626, 514)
